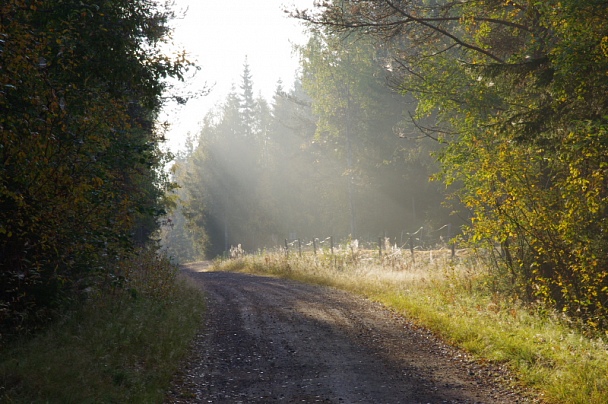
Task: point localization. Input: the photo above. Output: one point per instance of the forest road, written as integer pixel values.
(271, 340)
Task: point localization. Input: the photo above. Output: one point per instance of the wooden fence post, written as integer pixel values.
(412, 248)
(452, 243)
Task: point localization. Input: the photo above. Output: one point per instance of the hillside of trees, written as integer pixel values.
(510, 97)
(81, 184)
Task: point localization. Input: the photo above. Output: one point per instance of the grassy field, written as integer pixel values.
(122, 346)
(457, 299)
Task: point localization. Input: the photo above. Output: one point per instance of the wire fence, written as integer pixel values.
(414, 241)
(409, 246)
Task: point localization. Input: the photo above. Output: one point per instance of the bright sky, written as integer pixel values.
(219, 34)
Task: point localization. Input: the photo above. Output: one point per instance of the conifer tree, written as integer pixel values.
(247, 101)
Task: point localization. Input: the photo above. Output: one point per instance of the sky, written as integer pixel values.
(219, 35)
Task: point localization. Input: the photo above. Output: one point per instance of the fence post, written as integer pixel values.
(331, 243)
(412, 247)
(452, 242)
(314, 245)
(286, 248)
(380, 247)
(300, 247)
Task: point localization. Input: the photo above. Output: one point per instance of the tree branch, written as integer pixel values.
(445, 33)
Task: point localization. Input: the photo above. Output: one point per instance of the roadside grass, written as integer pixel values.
(123, 345)
(456, 299)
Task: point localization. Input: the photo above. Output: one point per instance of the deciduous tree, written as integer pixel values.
(519, 89)
(80, 88)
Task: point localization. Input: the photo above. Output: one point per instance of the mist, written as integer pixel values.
(336, 154)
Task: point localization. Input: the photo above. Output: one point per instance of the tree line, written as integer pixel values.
(81, 185)
(333, 155)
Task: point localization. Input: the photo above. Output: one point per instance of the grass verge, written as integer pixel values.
(123, 345)
(456, 300)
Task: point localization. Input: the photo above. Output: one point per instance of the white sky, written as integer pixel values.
(219, 34)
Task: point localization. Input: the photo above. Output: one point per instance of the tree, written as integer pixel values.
(519, 89)
(247, 107)
(184, 240)
(80, 88)
(362, 119)
(298, 181)
(227, 176)
(293, 172)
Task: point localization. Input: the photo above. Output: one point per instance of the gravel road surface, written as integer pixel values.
(268, 340)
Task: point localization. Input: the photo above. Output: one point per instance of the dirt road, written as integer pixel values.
(270, 340)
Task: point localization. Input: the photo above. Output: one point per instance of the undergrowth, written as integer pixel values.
(457, 299)
(123, 345)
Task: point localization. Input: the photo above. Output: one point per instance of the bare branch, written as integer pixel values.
(445, 33)
(427, 132)
(387, 23)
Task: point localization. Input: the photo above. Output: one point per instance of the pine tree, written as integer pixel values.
(247, 102)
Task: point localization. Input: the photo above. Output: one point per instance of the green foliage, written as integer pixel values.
(80, 88)
(520, 93)
(533, 170)
(225, 196)
(123, 345)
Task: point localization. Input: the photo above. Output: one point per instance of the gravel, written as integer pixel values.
(267, 340)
